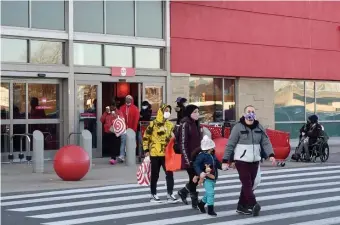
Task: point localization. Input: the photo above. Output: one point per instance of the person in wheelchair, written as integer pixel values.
(309, 135)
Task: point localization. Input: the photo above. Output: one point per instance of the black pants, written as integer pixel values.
(111, 145)
(191, 186)
(156, 163)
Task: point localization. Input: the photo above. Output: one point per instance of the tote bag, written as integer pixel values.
(257, 180)
(144, 172)
(118, 126)
(173, 161)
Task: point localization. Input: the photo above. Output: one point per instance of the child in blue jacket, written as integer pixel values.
(206, 165)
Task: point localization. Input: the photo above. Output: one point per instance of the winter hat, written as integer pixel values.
(207, 143)
(189, 109)
(178, 99)
(313, 118)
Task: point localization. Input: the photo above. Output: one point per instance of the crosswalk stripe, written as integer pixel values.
(110, 193)
(143, 205)
(126, 186)
(328, 221)
(232, 212)
(135, 197)
(166, 210)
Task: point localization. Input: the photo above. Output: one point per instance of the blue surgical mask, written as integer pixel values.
(250, 116)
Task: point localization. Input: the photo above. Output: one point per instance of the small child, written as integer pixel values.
(206, 165)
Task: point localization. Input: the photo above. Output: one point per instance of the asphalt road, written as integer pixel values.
(299, 196)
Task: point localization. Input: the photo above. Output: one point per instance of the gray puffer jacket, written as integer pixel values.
(247, 143)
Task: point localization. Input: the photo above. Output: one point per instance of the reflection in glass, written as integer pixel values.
(51, 134)
(207, 94)
(87, 54)
(4, 100)
(19, 129)
(310, 99)
(154, 95)
(19, 100)
(229, 100)
(327, 100)
(46, 52)
(5, 138)
(116, 12)
(149, 19)
(14, 13)
(89, 16)
(289, 100)
(13, 50)
(292, 128)
(332, 129)
(48, 14)
(118, 56)
(148, 58)
(44, 101)
(87, 110)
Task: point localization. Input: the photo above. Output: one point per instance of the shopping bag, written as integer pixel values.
(257, 180)
(144, 172)
(118, 126)
(173, 161)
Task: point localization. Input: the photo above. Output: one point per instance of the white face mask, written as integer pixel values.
(144, 107)
(167, 115)
(185, 104)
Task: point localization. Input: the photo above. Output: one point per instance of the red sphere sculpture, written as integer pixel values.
(220, 143)
(71, 163)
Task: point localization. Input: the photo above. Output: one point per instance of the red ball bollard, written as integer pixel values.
(71, 163)
(220, 143)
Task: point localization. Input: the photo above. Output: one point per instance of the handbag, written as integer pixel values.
(173, 161)
(144, 172)
(257, 180)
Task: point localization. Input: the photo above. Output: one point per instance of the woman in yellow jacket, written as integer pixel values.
(156, 137)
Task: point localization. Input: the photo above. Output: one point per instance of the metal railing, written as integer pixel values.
(69, 136)
(21, 154)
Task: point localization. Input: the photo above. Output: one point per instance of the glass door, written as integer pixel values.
(154, 94)
(88, 101)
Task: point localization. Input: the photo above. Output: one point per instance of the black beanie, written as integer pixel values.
(313, 118)
(189, 109)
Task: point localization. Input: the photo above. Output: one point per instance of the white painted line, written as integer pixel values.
(179, 220)
(119, 199)
(233, 212)
(328, 221)
(113, 193)
(125, 186)
(144, 205)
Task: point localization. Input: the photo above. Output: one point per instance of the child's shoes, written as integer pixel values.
(211, 211)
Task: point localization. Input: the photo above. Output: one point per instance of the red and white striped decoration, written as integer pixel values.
(119, 126)
(144, 173)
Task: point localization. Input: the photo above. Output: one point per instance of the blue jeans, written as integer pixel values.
(209, 186)
(122, 145)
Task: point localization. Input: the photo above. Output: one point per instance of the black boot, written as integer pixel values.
(211, 211)
(183, 194)
(256, 209)
(243, 210)
(200, 206)
(194, 199)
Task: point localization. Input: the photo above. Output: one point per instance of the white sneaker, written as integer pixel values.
(154, 198)
(121, 159)
(172, 198)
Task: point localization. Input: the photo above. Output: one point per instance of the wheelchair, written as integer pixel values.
(320, 149)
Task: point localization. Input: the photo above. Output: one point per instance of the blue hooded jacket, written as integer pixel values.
(203, 159)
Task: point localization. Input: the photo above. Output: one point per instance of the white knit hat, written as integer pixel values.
(207, 143)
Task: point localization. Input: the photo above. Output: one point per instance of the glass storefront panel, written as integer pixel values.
(46, 52)
(327, 100)
(48, 14)
(154, 95)
(4, 101)
(19, 100)
(44, 101)
(14, 13)
(310, 98)
(207, 94)
(5, 138)
(87, 110)
(51, 134)
(332, 129)
(292, 128)
(229, 100)
(148, 58)
(19, 129)
(88, 54)
(289, 100)
(13, 50)
(89, 16)
(149, 19)
(118, 56)
(118, 11)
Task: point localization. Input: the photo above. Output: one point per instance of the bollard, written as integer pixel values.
(38, 152)
(130, 147)
(206, 131)
(86, 143)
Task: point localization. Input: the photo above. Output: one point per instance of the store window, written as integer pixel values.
(89, 16)
(48, 14)
(154, 95)
(19, 100)
(46, 52)
(149, 19)
(13, 50)
(118, 56)
(4, 100)
(229, 100)
(116, 12)
(292, 128)
(14, 13)
(51, 134)
(327, 96)
(310, 98)
(148, 58)
(88, 54)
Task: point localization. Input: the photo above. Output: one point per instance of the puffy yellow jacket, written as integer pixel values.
(158, 134)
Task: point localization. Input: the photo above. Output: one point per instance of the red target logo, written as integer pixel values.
(119, 126)
(144, 174)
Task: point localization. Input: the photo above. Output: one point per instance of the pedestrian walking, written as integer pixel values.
(246, 142)
(180, 108)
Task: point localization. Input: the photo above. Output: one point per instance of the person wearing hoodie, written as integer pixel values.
(189, 137)
(156, 137)
(246, 142)
(180, 108)
(144, 116)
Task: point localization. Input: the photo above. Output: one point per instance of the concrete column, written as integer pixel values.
(130, 147)
(38, 152)
(86, 143)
